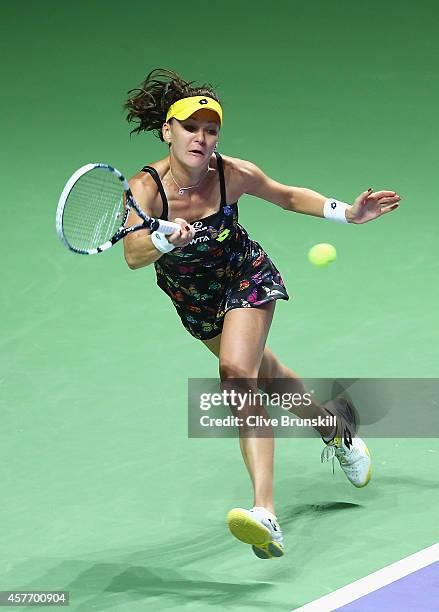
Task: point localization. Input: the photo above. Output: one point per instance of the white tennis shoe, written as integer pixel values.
(354, 459)
(259, 528)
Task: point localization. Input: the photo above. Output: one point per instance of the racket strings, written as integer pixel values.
(94, 209)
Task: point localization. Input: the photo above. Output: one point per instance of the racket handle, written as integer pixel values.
(166, 227)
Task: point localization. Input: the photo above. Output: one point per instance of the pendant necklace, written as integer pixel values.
(181, 190)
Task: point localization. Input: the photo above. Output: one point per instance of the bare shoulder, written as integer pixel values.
(238, 167)
(145, 191)
(239, 174)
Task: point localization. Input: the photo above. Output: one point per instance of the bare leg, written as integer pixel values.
(241, 349)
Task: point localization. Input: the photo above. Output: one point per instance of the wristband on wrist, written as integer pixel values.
(161, 243)
(335, 210)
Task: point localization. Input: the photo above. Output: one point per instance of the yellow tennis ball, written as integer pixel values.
(322, 254)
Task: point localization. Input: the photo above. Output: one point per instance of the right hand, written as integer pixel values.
(183, 236)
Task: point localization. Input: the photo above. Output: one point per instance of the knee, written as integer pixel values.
(238, 379)
(241, 386)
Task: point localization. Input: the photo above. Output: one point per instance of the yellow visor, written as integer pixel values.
(184, 108)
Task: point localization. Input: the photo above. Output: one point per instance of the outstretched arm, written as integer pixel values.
(368, 205)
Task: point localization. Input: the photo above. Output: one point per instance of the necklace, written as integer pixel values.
(181, 190)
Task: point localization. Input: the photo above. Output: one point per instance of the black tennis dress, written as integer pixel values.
(220, 269)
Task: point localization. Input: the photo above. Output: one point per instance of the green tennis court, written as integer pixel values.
(103, 493)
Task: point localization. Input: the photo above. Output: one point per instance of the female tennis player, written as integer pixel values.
(222, 283)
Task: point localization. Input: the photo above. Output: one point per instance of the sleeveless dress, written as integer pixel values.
(220, 269)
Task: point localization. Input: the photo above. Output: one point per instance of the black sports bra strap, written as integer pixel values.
(155, 175)
(219, 161)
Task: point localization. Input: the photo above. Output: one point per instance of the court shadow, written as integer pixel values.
(290, 514)
(155, 578)
(120, 586)
(159, 588)
(114, 586)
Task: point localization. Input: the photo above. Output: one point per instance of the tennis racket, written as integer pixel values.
(93, 209)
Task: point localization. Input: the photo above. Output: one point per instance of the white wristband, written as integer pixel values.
(335, 210)
(161, 243)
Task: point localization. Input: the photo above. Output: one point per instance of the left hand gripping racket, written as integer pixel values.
(93, 209)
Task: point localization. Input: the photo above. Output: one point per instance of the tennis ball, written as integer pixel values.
(322, 254)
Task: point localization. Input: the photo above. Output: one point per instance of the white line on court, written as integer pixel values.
(368, 584)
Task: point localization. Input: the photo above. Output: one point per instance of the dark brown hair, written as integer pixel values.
(148, 104)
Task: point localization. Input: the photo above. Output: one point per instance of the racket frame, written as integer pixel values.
(167, 227)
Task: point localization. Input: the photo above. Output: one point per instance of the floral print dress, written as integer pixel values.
(220, 269)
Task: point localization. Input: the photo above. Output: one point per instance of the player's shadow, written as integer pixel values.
(154, 578)
(146, 577)
(291, 514)
(159, 588)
